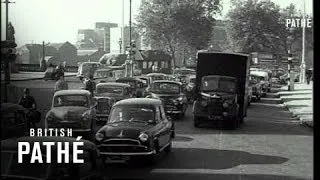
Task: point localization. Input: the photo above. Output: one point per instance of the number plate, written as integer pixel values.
(117, 159)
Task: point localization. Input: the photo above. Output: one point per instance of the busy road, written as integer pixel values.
(269, 145)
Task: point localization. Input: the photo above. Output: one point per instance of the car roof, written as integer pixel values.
(72, 92)
(156, 74)
(259, 73)
(138, 101)
(167, 81)
(11, 107)
(113, 84)
(12, 143)
(129, 79)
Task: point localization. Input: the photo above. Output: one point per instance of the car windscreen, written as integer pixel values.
(132, 113)
(102, 74)
(110, 89)
(71, 100)
(165, 88)
(218, 83)
(11, 167)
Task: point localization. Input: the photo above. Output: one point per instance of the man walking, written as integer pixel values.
(61, 84)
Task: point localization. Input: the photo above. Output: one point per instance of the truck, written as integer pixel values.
(221, 88)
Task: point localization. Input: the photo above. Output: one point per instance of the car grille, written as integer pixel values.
(122, 145)
(170, 108)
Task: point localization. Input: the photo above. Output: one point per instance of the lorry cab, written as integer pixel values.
(221, 88)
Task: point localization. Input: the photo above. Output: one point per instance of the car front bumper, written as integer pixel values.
(128, 153)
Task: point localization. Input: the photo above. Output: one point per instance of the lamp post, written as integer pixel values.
(290, 77)
(303, 63)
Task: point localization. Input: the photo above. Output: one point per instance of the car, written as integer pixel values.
(138, 87)
(256, 87)
(51, 73)
(117, 91)
(14, 121)
(73, 109)
(263, 79)
(172, 95)
(156, 76)
(11, 169)
(137, 127)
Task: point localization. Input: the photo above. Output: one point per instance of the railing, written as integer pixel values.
(36, 68)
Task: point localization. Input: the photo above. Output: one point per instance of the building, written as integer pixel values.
(93, 39)
(116, 41)
(145, 59)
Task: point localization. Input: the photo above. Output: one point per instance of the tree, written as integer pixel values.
(252, 25)
(173, 24)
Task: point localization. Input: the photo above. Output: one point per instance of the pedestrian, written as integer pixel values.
(90, 85)
(27, 101)
(309, 75)
(61, 84)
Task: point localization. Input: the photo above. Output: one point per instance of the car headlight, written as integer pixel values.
(225, 105)
(180, 99)
(143, 137)
(99, 136)
(85, 116)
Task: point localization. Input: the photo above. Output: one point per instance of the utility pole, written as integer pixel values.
(303, 63)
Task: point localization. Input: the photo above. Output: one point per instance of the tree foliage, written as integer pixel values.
(171, 24)
(260, 26)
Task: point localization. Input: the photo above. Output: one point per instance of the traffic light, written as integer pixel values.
(8, 50)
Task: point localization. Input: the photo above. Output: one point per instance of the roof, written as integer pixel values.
(113, 84)
(259, 73)
(129, 79)
(156, 74)
(167, 81)
(72, 92)
(138, 101)
(86, 52)
(12, 143)
(208, 52)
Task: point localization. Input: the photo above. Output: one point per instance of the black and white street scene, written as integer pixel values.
(157, 89)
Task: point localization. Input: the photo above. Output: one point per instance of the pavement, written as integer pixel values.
(25, 76)
(299, 102)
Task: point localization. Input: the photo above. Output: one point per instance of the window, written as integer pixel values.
(145, 64)
(165, 64)
(162, 64)
(150, 64)
(156, 63)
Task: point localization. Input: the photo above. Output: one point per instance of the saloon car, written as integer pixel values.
(263, 79)
(72, 109)
(137, 127)
(11, 169)
(256, 87)
(172, 95)
(117, 91)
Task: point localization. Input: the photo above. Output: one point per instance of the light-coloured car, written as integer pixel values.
(72, 109)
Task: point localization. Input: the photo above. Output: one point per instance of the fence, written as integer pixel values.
(36, 68)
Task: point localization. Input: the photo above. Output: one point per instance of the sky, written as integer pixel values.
(58, 21)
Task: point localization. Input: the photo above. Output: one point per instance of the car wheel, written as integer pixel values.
(196, 121)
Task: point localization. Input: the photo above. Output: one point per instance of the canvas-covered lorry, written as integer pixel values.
(221, 88)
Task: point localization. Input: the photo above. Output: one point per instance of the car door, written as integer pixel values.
(167, 125)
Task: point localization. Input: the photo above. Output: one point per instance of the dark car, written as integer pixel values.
(14, 122)
(137, 127)
(117, 91)
(256, 87)
(172, 95)
(137, 85)
(11, 169)
(72, 109)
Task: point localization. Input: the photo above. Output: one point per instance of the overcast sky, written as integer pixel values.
(59, 20)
